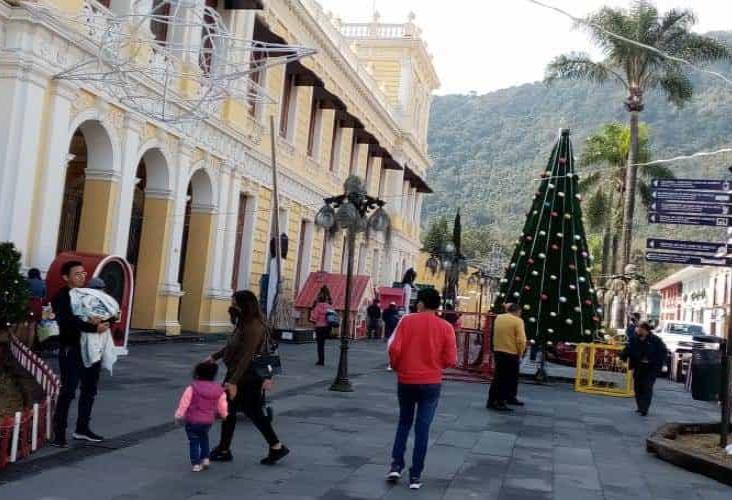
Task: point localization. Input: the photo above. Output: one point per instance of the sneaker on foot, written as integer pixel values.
(59, 442)
(87, 436)
(415, 483)
(275, 455)
(197, 468)
(206, 463)
(394, 475)
(499, 407)
(221, 455)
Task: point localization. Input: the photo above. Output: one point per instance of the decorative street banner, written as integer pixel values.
(692, 184)
(689, 208)
(680, 196)
(686, 246)
(689, 220)
(689, 260)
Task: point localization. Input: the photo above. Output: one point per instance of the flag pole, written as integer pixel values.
(275, 222)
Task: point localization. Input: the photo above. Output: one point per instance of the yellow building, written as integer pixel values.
(191, 208)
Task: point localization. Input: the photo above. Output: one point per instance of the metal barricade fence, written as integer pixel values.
(475, 359)
(601, 371)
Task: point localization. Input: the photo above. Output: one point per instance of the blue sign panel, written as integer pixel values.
(680, 196)
(689, 220)
(689, 260)
(692, 184)
(689, 208)
(686, 246)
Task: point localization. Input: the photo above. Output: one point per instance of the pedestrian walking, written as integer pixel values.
(391, 318)
(71, 366)
(197, 409)
(645, 354)
(373, 314)
(319, 316)
(244, 387)
(509, 344)
(422, 346)
(633, 321)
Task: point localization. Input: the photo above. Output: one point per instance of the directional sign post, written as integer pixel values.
(689, 260)
(692, 184)
(689, 220)
(681, 196)
(686, 246)
(689, 208)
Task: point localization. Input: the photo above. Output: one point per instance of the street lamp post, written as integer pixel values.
(349, 211)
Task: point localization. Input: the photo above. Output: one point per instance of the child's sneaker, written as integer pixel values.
(197, 468)
(206, 463)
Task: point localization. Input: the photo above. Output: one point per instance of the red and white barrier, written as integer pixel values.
(30, 428)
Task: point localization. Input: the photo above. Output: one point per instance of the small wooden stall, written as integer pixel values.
(361, 296)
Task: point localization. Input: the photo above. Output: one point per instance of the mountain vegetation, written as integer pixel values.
(489, 149)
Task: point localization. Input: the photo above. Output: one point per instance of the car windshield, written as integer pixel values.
(684, 329)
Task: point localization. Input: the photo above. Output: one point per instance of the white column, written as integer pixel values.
(22, 100)
(183, 32)
(51, 178)
(220, 228)
(128, 164)
(393, 191)
(247, 243)
(232, 220)
(180, 192)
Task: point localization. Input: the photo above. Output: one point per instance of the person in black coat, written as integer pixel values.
(646, 354)
(390, 318)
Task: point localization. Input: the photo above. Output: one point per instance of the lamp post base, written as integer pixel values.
(341, 385)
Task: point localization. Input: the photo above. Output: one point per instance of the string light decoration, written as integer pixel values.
(14, 290)
(549, 272)
(172, 61)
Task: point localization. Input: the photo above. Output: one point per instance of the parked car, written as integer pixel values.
(679, 335)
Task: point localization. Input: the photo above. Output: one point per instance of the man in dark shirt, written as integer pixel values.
(373, 313)
(73, 371)
(646, 353)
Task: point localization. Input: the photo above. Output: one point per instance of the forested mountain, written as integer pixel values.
(488, 149)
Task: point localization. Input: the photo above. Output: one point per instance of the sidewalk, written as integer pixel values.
(562, 445)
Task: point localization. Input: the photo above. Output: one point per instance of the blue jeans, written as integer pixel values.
(198, 441)
(423, 398)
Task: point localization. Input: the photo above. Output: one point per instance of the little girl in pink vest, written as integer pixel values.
(197, 409)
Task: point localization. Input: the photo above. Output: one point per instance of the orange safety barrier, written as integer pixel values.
(475, 359)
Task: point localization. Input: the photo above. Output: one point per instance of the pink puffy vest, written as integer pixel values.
(204, 400)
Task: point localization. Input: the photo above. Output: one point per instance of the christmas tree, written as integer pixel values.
(14, 291)
(549, 273)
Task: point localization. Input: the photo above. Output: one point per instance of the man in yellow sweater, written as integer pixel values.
(509, 344)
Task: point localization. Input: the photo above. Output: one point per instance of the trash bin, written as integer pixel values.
(706, 369)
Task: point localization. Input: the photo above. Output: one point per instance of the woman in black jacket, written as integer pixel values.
(646, 354)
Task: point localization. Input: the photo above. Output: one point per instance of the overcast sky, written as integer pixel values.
(484, 45)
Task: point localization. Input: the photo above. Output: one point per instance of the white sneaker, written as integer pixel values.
(415, 484)
(393, 476)
(388, 368)
(197, 468)
(206, 463)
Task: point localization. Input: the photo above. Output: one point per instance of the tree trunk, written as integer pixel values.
(614, 256)
(630, 182)
(607, 239)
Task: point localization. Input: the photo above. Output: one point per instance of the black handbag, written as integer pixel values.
(266, 363)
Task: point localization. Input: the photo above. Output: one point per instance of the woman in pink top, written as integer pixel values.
(198, 406)
(319, 316)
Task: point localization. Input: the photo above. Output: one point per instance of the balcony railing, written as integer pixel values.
(378, 30)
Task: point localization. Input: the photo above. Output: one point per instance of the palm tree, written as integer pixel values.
(605, 188)
(639, 70)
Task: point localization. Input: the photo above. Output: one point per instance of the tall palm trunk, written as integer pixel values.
(630, 182)
(607, 238)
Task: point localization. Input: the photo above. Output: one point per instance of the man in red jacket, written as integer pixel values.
(421, 347)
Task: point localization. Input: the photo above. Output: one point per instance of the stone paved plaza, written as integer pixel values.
(562, 445)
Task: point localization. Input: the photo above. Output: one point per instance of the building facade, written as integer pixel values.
(697, 295)
(191, 207)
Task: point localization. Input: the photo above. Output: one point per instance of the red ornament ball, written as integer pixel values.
(596, 319)
(562, 160)
(554, 214)
(544, 297)
(572, 267)
(517, 278)
(530, 261)
(529, 238)
(555, 247)
(527, 288)
(588, 302)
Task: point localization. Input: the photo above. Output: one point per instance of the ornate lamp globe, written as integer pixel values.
(447, 264)
(379, 220)
(326, 217)
(353, 184)
(449, 247)
(346, 216)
